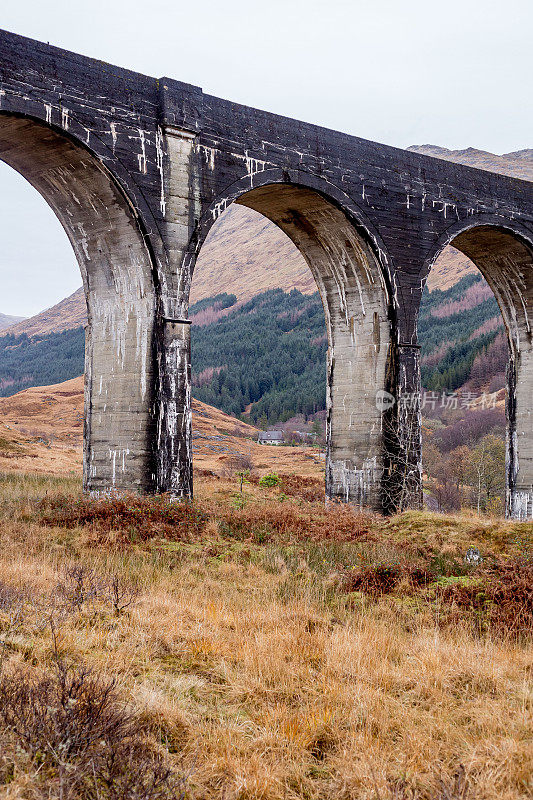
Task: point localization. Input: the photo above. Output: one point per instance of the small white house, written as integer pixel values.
(270, 437)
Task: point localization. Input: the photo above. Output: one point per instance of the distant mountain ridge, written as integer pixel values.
(7, 321)
(65, 315)
(517, 165)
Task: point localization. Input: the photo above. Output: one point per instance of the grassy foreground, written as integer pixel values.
(257, 645)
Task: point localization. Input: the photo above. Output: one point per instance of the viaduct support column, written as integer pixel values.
(403, 432)
(401, 417)
(520, 434)
(402, 484)
(174, 454)
(357, 363)
(173, 350)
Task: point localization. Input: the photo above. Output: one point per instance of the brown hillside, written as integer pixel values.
(449, 268)
(246, 254)
(53, 413)
(41, 430)
(245, 244)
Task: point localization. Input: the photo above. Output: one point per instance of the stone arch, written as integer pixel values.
(352, 277)
(503, 253)
(117, 273)
(303, 180)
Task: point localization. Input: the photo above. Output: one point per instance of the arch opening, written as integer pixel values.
(491, 317)
(356, 303)
(37, 261)
(116, 271)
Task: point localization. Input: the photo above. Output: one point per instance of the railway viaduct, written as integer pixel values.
(138, 169)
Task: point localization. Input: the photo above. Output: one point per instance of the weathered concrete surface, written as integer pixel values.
(117, 275)
(138, 169)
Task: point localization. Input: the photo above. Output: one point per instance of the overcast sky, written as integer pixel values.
(455, 73)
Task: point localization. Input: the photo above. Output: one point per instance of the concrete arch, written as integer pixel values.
(355, 289)
(117, 273)
(298, 179)
(503, 253)
(513, 227)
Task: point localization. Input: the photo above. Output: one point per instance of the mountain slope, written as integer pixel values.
(267, 357)
(268, 354)
(39, 360)
(244, 244)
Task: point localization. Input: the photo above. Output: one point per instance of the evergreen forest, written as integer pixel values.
(267, 356)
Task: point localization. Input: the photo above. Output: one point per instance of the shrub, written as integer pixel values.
(501, 599)
(132, 517)
(308, 489)
(122, 594)
(269, 480)
(78, 586)
(379, 579)
(82, 737)
(264, 521)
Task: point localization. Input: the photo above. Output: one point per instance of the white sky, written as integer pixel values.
(456, 73)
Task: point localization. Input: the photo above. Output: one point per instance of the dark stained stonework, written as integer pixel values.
(138, 169)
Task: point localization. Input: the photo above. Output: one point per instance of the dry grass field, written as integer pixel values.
(253, 644)
(257, 645)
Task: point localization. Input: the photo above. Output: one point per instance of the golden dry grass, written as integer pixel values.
(265, 681)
